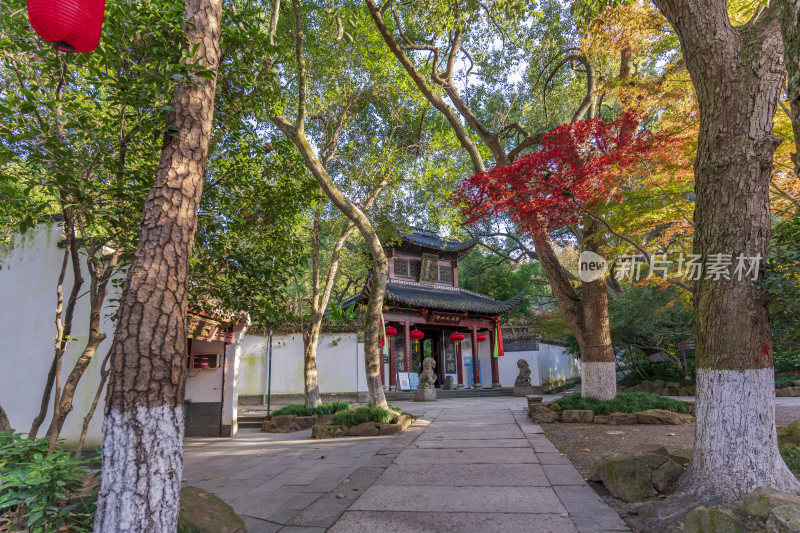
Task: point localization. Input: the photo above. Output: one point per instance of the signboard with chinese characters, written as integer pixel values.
(444, 319)
(429, 269)
(450, 361)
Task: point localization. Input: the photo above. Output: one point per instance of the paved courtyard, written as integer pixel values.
(465, 465)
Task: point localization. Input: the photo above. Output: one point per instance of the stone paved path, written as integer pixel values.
(466, 465)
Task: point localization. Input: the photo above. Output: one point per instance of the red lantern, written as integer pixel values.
(69, 25)
(417, 335)
(424, 311)
(390, 331)
(481, 337)
(456, 337)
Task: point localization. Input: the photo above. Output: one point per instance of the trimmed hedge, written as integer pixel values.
(302, 410)
(625, 402)
(786, 381)
(368, 413)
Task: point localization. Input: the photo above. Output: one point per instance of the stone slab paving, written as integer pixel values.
(466, 464)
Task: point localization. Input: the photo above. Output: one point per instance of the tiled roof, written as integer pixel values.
(426, 239)
(440, 298)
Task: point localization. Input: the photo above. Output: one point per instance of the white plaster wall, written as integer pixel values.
(340, 363)
(549, 363)
(28, 277)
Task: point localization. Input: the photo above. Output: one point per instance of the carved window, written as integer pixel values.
(413, 269)
(446, 274)
(401, 268)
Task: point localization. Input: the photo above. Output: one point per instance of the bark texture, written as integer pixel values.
(738, 74)
(143, 427)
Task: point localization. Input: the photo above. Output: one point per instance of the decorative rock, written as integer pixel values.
(305, 422)
(533, 401)
(705, 520)
(601, 419)
(624, 477)
(524, 377)
(405, 420)
(663, 417)
(389, 429)
(427, 379)
(666, 476)
(763, 500)
(448, 383)
(543, 415)
(202, 512)
(283, 421)
(555, 407)
(524, 391)
(367, 429)
(578, 416)
(622, 419)
(425, 395)
(796, 383)
(328, 431)
(784, 519)
(267, 426)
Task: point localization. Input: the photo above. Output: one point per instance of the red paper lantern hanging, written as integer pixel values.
(417, 335)
(390, 331)
(481, 337)
(69, 25)
(456, 337)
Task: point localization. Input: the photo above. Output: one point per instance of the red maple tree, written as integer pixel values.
(579, 164)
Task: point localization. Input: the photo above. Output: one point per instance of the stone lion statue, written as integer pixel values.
(524, 377)
(427, 378)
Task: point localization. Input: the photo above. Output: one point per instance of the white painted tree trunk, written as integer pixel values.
(138, 449)
(736, 411)
(598, 380)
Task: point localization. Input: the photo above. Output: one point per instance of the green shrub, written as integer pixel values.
(785, 381)
(563, 387)
(625, 402)
(44, 486)
(791, 455)
(302, 410)
(368, 413)
(634, 378)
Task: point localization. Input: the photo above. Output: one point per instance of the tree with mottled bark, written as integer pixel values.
(790, 29)
(144, 425)
(380, 265)
(738, 74)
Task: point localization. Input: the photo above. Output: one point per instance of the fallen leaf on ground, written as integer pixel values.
(680, 526)
(585, 450)
(207, 477)
(183, 479)
(322, 457)
(356, 488)
(672, 434)
(339, 495)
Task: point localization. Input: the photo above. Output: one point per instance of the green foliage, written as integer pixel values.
(302, 410)
(786, 381)
(634, 378)
(43, 486)
(625, 402)
(791, 456)
(782, 281)
(358, 416)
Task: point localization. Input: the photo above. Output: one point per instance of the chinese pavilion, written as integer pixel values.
(427, 314)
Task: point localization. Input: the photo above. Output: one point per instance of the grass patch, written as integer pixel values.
(368, 413)
(785, 381)
(625, 402)
(791, 455)
(302, 410)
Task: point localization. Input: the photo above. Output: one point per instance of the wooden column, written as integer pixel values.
(495, 362)
(407, 345)
(392, 365)
(475, 375)
(459, 365)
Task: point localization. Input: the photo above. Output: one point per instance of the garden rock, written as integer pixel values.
(763, 500)
(543, 415)
(405, 420)
(202, 512)
(577, 416)
(663, 417)
(305, 422)
(622, 419)
(705, 520)
(389, 429)
(328, 431)
(788, 392)
(367, 429)
(784, 519)
(601, 419)
(635, 477)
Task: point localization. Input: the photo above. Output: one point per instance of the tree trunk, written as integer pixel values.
(738, 74)
(143, 426)
(790, 28)
(104, 372)
(4, 423)
(100, 276)
(310, 343)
